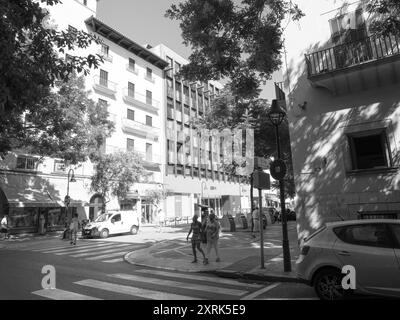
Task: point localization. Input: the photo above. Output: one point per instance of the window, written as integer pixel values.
(59, 166)
(132, 64)
(177, 67)
(369, 150)
(85, 2)
(149, 121)
(371, 235)
(130, 144)
(170, 109)
(103, 102)
(103, 78)
(149, 97)
(178, 91)
(348, 27)
(104, 50)
(149, 73)
(149, 152)
(116, 218)
(170, 89)
(131, 89)
(170, 63)
(26, 163)
(186, 94)
(130, 114)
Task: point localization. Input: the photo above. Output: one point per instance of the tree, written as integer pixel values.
(241, 43)
(386, 17)
(115, 173)
(65, 124)
(32, 61)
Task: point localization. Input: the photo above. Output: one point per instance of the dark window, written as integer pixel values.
(117, 218)
(149, 121)
(105, 49)
(369, 151)
(149, 73)
(170, 109)
(103, 78)
(149, 97)
(85, 2)
(130, 144)
(348, 27)
(131, 114)
(177, 67)
(396, 232)
(26, 163)
(371, 235)
(178, 91)
(131, 89)
(132, 64)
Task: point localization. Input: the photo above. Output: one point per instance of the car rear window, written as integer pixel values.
(371, 235)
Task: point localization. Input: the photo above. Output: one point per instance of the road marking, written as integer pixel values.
(106, 256)
(81, 249)
(91, 251)
(57, 294)
(60, 249)
(114, 260)
(88, 254)
(289, 299)
(180, 285)
(138, 292)
(255, 294)
(197, 277)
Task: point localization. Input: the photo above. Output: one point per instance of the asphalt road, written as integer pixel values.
(96, 270)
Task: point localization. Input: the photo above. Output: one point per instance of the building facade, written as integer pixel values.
(341, 85)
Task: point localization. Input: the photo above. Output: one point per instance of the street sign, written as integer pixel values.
(261, 180)
(261, 163)
(278, 169)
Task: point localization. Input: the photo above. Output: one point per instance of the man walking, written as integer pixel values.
(74, 227)
(212, 232)
(5, 227)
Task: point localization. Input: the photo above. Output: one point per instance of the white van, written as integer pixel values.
(113, 222)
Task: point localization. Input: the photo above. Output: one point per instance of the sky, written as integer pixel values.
(143, 21)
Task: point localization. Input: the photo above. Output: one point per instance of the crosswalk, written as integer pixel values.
(154, 285)
(107, 252)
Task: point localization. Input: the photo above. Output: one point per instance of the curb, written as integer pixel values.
(254, 276)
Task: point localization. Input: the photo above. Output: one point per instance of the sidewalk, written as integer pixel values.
(239, 253)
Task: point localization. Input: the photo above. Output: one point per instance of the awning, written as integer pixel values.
(26, 190)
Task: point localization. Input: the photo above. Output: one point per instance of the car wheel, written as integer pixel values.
(134, 230)
(328, 284)
(104, 233)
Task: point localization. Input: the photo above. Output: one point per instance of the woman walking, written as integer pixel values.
(196, 228)
(74, 227)
(212, 231)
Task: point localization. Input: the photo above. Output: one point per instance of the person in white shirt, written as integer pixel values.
(4, 226)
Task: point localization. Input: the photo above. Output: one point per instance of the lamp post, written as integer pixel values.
(276, 115)
(67, 199)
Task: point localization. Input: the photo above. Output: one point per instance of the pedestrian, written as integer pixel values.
(74, 227)
(212, 231)
(159, 220)
(5, 226)
(203, 236)
(42, 221)
(196, 228)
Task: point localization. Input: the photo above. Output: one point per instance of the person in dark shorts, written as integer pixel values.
(5, 227)
(196, 228)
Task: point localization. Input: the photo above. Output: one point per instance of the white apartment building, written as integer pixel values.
(342, 85)
(130, 82)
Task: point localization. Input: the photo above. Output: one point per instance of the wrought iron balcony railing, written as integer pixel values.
(352, 54)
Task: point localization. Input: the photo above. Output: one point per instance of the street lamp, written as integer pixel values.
(276, 115)
(67, 199)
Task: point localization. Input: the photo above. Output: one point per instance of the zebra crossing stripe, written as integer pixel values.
(106, 256)
(180, 285)
(133, 291)
(114, 260)
(198, 277)
(88, 254)
(69, 246)
(57, 294)
(255, 294)
(90, 251)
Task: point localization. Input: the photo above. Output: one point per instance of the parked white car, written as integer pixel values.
(113, 222)
(371, 246)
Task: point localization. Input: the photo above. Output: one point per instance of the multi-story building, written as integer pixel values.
(192, 172)
(343, 107)
(130, 82)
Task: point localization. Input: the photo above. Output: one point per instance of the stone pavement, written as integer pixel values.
(239, 253)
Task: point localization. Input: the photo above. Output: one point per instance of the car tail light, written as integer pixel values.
(304, 250)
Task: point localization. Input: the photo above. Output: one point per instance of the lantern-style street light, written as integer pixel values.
(276, 115)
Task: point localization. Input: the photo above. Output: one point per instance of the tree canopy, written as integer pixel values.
(237, 40)
(387, 13)
(32, 62)
(115, 173)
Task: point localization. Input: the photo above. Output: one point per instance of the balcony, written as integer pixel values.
(140, 129)
(141, 101)
(151, 161)
(106, 86)
(356, 66)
